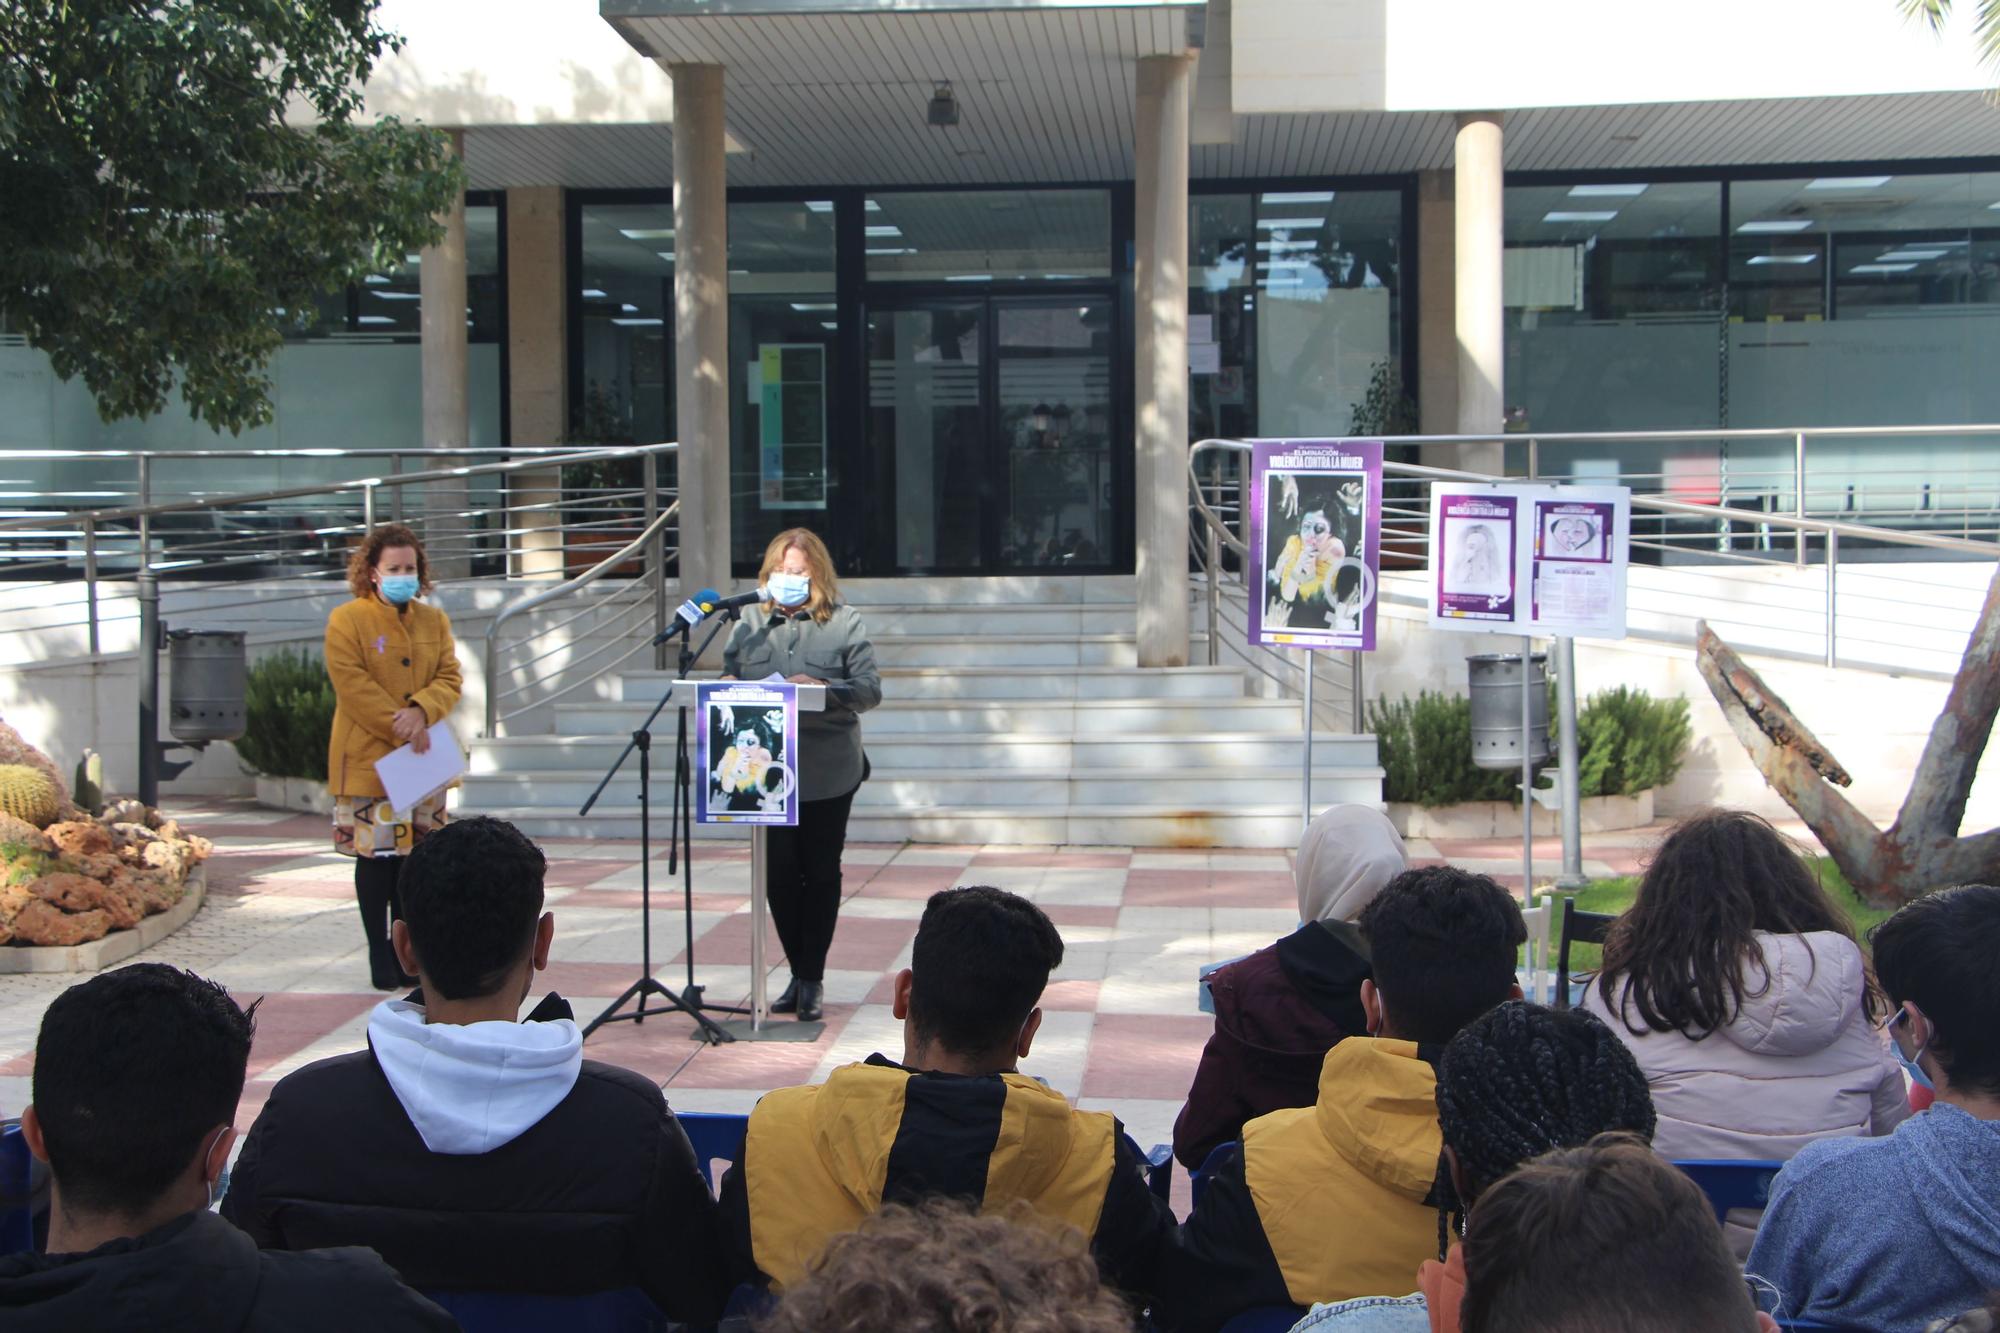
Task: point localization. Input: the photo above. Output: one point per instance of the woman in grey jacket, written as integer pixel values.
(803, 632)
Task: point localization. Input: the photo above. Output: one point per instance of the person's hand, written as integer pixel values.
(725, 676)
(1288, 496)
(805, 680)
(409, 723)
(421, 742)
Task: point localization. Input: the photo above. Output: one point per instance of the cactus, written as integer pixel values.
(27, 793)
(89, 783)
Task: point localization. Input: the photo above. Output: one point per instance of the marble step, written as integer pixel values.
(1008, 682)
(972, 751)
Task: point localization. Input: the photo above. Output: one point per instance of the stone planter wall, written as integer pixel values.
(113, 948)
(301, 794)
(1502, 819)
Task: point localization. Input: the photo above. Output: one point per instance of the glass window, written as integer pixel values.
(1868, 300)
(1293, 303)
(782, 329)
(626, 290)
(1613, 295)
(1054, 413)
(976, 236)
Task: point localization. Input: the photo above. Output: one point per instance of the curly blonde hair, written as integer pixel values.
(939, 1267)
(365, 556)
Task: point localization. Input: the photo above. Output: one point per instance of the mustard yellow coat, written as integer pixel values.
(382, 659)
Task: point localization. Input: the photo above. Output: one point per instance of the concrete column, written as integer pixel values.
(538, 371)
(1437, 338)
(1478, 211)
(447, 409)
(1160, 288)
(701, 324)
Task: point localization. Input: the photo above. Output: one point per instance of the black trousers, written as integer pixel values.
(375, 890)
(803, 876)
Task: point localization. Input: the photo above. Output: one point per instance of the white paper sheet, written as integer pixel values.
(409, 777)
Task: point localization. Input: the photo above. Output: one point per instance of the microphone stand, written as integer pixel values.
(689, 1001)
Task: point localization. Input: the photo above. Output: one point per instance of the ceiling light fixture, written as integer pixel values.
(1783, 259)
(1297, 197)
(593, 294)
(884, 230)
(1606, 191)
(647, 233)
(1754, 228)
(1588, 215)
(1847, 183)
(638, 323)
(1291, 224)
(1894, 255)
(819, 205)
(943, 110)
(1881, 268)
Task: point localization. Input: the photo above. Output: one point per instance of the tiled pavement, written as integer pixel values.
(1121, 1030)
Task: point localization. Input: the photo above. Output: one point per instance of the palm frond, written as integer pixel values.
(1985, 26)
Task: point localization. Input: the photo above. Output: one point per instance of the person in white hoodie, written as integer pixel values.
(1740, 988)
(476, 1152)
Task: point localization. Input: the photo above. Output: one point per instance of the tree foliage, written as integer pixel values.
(288, 708)
(157, 206)
(1985, 23)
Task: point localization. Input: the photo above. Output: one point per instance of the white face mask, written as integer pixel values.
(788, 589)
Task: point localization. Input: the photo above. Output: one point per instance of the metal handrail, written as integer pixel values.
(561, 590)
(1214, 532)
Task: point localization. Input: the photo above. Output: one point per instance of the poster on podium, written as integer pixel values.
(1315, 534)
(749, 733)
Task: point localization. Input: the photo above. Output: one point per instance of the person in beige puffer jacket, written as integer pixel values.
(1741, 990)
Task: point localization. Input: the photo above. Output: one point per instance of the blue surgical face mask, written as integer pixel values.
(788, 589)
(399, 588)
(1912, 1065)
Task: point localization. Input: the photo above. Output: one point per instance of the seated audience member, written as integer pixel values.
(956, 1118)
(476, 1152)
(1517, 1081)
(1339, 1199)
(940, 1267)
(1279, 1011)
(1890, 1233)
(1739, 986)
(1985, 1319)
(137, 1075)
(1606, 1236)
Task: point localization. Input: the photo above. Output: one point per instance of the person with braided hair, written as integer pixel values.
(1518, 1082)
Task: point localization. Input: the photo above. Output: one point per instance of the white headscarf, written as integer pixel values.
(1348, 855)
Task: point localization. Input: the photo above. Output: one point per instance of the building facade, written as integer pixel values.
(956, 281)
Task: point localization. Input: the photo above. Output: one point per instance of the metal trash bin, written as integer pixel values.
(207, 677)
(1495, 680)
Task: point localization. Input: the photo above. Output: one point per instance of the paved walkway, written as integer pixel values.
(1121, 1030)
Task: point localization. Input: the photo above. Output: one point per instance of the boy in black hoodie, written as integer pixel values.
(137, 1075)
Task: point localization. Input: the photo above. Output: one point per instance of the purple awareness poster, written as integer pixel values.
(1315, 536)
(749, 733)
(1473, 544)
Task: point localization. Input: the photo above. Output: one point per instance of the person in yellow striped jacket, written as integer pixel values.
(953, 1118)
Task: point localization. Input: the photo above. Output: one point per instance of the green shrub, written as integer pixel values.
(1627, 741)
(288, 716)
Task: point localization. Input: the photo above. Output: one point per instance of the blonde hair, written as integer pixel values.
(825, 591)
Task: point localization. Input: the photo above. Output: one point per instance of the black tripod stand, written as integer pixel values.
(689, 1001)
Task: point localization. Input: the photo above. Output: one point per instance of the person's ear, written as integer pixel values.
(216, 1160)
(1028, 1031)
(406, 952)
(1371, 1006)
(899, 1001)
(1514, 992)
(545, 935)
(31, 1133)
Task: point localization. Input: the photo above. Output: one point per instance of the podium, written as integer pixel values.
(811, 699)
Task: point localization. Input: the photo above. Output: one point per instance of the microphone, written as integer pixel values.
(711, 603)
(703, 605)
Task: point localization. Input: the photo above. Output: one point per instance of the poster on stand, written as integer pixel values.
(1315, 536)
(1475, 569)
(749, 742)
(1520, 558)
(1582, 540)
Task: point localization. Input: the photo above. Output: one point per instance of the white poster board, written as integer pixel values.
(1518, 558)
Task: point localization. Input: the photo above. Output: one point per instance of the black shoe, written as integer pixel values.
(788, 1002)
(810, 995)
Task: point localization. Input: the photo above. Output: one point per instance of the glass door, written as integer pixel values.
(997, 462)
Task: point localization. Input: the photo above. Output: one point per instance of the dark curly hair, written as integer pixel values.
(367, 554)
(1521, 1080)
(1680, 950)
(939, 1267)
(1444, 943)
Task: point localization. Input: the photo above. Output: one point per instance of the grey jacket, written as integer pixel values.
(838, 652)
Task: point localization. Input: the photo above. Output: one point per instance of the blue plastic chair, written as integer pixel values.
(716, 1138)
(625, 1310)
(17, 1220)
(1199, 1177)
(1159, 1165)
(1266, 1319)
(1732, 1184)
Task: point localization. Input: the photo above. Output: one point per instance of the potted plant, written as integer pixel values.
(288, 714)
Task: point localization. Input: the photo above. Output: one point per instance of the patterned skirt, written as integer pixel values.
(366, 826)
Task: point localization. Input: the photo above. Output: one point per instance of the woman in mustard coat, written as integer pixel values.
(395, 673)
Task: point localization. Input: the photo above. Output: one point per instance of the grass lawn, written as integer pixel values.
(1615, 895)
